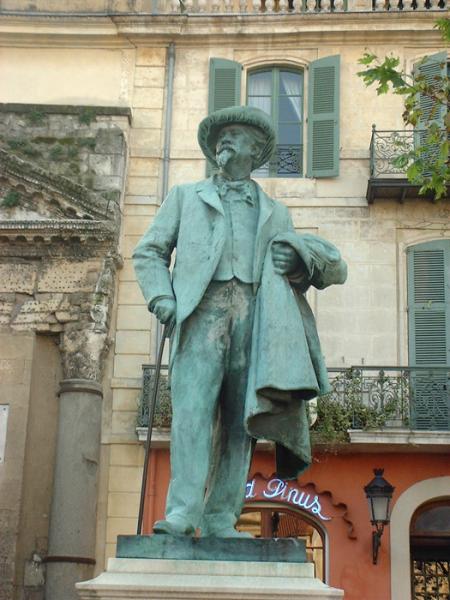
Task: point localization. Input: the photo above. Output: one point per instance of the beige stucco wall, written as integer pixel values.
(83, 76)
(16, 357)
(38, 461)
(361, 322)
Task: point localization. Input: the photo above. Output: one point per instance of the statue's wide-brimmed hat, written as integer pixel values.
(209, 128)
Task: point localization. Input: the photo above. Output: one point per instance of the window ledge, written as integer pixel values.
(398, 438)
(160, 436)
(401, 437)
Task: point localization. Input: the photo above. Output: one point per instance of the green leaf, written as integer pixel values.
(414, 172)
(401, 161)
(367, 58)
(443, 24)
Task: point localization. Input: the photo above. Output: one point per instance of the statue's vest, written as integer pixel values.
(241, 214)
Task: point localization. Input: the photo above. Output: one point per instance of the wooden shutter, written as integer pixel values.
(224, 84)
(323, 118)
(224, 88)
(432, 112)
(429, 333)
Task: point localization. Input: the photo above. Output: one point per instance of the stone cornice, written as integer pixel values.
(92, 204)
(56, 226)
(412, 26)
(63, 239)
(56, 238)
(348, 28)
(66, 109)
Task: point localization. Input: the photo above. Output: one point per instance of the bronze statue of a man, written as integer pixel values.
(245, 354)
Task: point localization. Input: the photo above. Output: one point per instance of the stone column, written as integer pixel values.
(84, 345)
(73, 513)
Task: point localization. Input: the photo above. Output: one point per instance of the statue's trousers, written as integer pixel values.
(208, 380)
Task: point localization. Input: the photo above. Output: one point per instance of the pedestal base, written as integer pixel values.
(154, 579)
(210, 548)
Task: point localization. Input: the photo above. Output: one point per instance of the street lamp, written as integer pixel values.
(379, 494)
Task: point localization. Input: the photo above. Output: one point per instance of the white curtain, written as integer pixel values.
(260, 91)
(290, 84)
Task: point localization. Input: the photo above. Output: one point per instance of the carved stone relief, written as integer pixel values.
(61, 178)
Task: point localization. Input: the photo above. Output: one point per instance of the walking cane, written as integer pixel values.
(151, 413)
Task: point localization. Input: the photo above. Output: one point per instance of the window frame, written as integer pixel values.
(275, 69)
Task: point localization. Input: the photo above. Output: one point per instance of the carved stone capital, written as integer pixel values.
(83, 353)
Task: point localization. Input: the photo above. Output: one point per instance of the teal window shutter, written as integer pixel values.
(323, 118)
(224, 84)
(429, 333)
(224, 88)
(431, 69)
(429, 303)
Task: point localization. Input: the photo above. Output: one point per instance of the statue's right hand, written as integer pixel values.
(164, 310)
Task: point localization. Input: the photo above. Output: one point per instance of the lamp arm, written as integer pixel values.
(376, 541)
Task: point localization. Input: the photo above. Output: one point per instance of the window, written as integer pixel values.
(430, 539)
(279, 93)
(279, 90)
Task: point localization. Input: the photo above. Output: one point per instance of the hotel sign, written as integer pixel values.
(287, 492)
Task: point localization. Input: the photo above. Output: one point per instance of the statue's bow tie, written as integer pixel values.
(245, 189)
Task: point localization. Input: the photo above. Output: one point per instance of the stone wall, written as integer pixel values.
(16, 356)
(76, 5)
(61, 185)
(83, 144)
(32, 539)
(134, 326)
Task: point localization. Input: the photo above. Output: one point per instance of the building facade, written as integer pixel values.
(100, 103)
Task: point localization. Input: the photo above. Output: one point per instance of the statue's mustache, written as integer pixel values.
(225, 146)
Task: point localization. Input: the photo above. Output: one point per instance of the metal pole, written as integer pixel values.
(169, 83)
(151, 414)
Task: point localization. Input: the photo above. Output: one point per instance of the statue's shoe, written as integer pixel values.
(227, 532)
(173, 528)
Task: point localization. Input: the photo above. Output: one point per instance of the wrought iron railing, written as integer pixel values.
(189, 8)
(361, 398)
(383, 397)
(287, 161)
(386, 147)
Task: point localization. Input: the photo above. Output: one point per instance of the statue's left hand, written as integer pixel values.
(285, 259)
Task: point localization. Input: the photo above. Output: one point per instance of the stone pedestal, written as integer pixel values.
(171, 547)
(156, 579)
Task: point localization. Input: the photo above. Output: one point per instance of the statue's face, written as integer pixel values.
(234, 142)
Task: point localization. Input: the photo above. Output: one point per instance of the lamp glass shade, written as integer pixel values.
(379, 509)
(379, 494)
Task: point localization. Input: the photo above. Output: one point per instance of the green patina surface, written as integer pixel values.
(242, 366)
(210, 548)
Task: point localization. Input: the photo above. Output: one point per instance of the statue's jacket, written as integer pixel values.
(286, 365)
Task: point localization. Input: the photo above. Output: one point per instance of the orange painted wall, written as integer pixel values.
(344, 475)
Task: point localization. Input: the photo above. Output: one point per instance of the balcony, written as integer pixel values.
(188, 8)
(388, 181)
(394, 405)
(268, 7)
